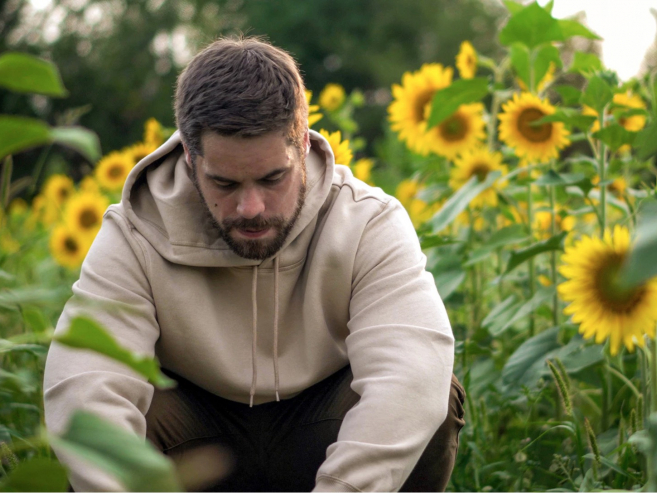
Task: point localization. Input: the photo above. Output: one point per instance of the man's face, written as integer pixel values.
(253, 187)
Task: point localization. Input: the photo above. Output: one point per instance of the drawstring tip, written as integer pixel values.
(251, 401)
(278, 399)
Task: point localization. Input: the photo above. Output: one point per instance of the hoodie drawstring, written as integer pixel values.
(254, 303)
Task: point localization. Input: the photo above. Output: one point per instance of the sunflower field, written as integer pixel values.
(531, 182)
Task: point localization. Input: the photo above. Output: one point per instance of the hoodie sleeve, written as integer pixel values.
(401, 350)
(113, 289)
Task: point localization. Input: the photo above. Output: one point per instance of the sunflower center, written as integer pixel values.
(420, 110)
(88, 219)
(70, 245)
(454, 128)
(480, 170)
(115, 171)
(63, 193)
(533, 133)
(611, 290)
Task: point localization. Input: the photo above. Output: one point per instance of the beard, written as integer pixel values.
(256, 249)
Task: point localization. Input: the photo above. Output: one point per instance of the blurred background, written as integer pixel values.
(119, 60)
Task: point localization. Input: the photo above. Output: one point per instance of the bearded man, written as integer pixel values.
(288, 299)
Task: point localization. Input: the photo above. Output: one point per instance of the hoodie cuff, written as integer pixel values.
(327, 483)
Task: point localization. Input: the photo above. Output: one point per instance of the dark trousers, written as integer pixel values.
(279, 446)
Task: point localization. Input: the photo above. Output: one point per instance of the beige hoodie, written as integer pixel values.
(351, 288)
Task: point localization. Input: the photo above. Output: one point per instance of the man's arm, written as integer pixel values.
(401, 351)
(113, 289)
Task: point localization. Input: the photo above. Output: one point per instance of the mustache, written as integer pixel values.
(255, 223)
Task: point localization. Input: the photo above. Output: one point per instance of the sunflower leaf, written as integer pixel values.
(531, 26)
(37, 474)
(524, 254)
(552, 178)
(570, 95)
(446, 101)
(522, 310)
(641, 263)
(86, 333)
(543, 57)
(458, 202)
(570, 117)
(520, 61)
(81, 139)
(646, 141)
(615, 136)
(18, 133)
(20, 72)
(134, 462)
(597, 94)
(571, 27)
(585, 63)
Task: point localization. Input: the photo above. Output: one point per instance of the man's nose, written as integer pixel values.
(251, 203)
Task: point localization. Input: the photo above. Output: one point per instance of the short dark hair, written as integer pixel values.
(240, 86)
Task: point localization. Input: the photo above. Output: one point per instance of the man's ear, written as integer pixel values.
(306, 142)
(188, 156)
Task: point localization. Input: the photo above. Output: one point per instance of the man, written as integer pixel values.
(288, 299)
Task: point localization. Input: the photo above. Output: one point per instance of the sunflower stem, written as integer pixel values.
(494, 107)
(553, 254)
(602, 170)
(530, 220)
(653, 376)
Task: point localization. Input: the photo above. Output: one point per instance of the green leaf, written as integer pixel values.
(515, 233)
(448, 280)
(569, 116)
(641, 263)
(541, 296)
(458, 202)
(524, 254)
(34, 319)
(513, 7)
(545, 55)
(646, 141)
(615, 136)
(133, 461)
(606, 462)
(552, 178)
(446, 101)
(597, 94)
(37, 474)
(531, 26)
(20, 72)
(498, 312)
(478, 255)
(519, 54)
(80, 139)
(570, 96)
(18, 133)
(85, 333)
(529, 353)
(571, 27)
(431, 241)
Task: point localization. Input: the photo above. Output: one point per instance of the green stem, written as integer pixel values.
(38, 169)
(602, 169)
(553, 255)
(500, 287)
(653, 376)
(494, 107)
(530, 220)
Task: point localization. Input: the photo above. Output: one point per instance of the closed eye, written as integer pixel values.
(271, 180)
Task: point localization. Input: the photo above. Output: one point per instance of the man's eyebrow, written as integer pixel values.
(271, 174)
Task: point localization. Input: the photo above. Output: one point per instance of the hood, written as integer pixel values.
(163, 204)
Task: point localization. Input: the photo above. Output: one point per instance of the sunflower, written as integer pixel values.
(535, 143)
(332, 97)
(363, 169)
(57, 189)
(616, 187)
(313, 116)
(67, 247)
(477, 162)
(632, 123)
(460, 132)
(153, 134)
(543, 222)
(466, 61)
(602, 306)
(139, 151)
(340, 148)
(418, 210)
(89, 184)
(408, 111)
(112, 170)
(84, 212)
